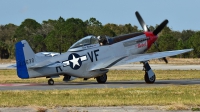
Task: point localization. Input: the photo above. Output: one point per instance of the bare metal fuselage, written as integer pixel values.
(95, 55)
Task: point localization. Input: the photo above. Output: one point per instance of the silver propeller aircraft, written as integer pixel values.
(92, 56)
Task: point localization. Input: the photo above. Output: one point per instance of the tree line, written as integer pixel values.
(50, 35)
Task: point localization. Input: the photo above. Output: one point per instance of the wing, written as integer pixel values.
(139, 58)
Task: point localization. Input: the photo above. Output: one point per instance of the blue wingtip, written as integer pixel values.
(22, 71)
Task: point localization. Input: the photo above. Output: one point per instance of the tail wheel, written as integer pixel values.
(148, 79)
(102, 78)
(51, 82)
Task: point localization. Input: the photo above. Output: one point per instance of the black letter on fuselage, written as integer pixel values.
(59, 68)
(96, 54)
(91, 56)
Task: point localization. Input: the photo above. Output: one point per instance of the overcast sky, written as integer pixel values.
(182, 14)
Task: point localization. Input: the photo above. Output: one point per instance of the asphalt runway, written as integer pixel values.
(85, 84)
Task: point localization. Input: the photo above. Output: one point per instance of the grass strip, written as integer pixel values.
(10, 76)
(188, 95)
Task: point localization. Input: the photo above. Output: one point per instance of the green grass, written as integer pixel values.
(10, 76)
(195, 109)
(171, 95)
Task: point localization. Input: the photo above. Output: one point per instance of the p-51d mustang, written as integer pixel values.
(91, 56)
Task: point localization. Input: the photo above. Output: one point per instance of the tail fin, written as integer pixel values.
(24, 57)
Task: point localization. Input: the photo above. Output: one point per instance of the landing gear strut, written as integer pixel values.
(102, 78)
(149, 76)
(51, 81)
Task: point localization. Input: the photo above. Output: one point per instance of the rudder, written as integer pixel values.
(24, 57)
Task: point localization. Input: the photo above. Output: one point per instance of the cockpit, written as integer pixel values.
(90, 42)
(85, 41)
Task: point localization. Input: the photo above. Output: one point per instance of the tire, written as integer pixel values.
(102, 79)
(51, 82)
(147, 80)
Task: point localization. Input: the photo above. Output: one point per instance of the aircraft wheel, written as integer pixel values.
(51, 82)
(102, 78)
(149, 80)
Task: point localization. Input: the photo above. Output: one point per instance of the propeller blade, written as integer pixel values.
(141, 21)
(155, 32)
(164, 58)
(160, 27)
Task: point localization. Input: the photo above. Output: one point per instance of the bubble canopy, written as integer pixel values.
(88, 40)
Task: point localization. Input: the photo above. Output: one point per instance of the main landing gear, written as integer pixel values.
(51, 81)
(149, 76)
(102, 78)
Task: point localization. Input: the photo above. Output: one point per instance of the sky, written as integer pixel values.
(182, 14)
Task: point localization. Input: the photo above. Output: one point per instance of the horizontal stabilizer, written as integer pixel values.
(12, 66)
(46, 63)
